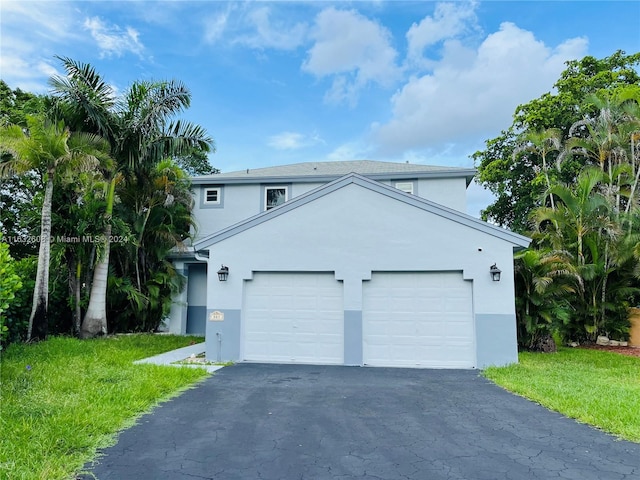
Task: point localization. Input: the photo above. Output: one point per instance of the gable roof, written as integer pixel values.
(327, 171)
(354, 178)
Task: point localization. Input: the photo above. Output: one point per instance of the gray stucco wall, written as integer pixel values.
(353, 337)
(492, 330)
(178, 313)
(197, 299)
(223, 336)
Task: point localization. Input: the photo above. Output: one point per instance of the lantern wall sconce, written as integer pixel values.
(223, 273)
(495, 273)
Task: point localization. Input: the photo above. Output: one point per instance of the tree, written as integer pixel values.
(513, 180)
(542, 143)
(607, 140)
(46, 146)
(20, 195)
(587, 225)
(195, 162)
(9, 284)
(545, 280)
(141, 132)
(160, 222)
(15, 105)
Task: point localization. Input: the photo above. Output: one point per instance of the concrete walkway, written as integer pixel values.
(169, 358)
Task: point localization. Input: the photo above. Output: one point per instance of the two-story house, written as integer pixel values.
(347, 263)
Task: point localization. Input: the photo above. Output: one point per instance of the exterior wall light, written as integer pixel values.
(495, 273)
(223, 273)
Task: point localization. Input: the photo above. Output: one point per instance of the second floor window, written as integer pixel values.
(275, 196)
(405, 187)
(212, 196)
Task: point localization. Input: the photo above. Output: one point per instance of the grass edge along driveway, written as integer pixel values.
(599, 388)
(63, 399)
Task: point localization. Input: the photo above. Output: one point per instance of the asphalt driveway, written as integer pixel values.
(280, 422)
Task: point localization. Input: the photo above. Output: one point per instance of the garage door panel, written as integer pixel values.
(418, 319)
(293, 317)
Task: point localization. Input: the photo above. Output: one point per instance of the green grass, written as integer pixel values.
(594, 387)
(62, 399)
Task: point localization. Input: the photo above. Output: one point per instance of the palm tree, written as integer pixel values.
(605, 140)
(141, 132)
(545, 280)
(159, 214)
(46, 146)
(581, 212)
(586, 224)
(542, 143)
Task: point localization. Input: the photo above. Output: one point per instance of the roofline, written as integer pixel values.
(467, 173)
(353, 178)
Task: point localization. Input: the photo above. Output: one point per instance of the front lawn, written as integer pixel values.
(594, 387)
(62, 399)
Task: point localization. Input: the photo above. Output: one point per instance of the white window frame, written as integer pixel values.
(406, 187)
(275, 187)
(206, 200)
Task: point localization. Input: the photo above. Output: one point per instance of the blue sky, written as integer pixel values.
(287, 82)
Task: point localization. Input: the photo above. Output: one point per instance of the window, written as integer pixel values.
(212, 196)
(274, 196)
(405, 187)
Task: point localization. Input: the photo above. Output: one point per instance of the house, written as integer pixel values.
(348, 263)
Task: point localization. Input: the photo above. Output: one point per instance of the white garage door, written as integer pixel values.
(418, 320)
(293, 317)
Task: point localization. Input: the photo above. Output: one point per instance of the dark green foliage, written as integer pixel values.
(545, 282)
(150, 212)
(20, 207)
(513, 180)
(195, 162)
(10, 283)
(20, 195)
(577, 198)
(17, 315)
(15, 105)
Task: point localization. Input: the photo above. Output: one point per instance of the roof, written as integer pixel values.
(328, 171)
(353, 178)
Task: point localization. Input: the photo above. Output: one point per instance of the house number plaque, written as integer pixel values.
(216, 316)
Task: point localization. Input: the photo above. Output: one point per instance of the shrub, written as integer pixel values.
(10, 283)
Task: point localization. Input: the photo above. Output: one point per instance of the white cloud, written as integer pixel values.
(473, 93)
(267, 33)
(448, 21)
(350, 151)
(49, 20)
(354, 48)
(30, 38)
(113, 40)
(215, 26)
(28, 74)
(293, 141)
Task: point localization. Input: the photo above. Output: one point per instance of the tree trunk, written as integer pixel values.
(77, 295)
(139, 242)
(38, 320)
(95, 320)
